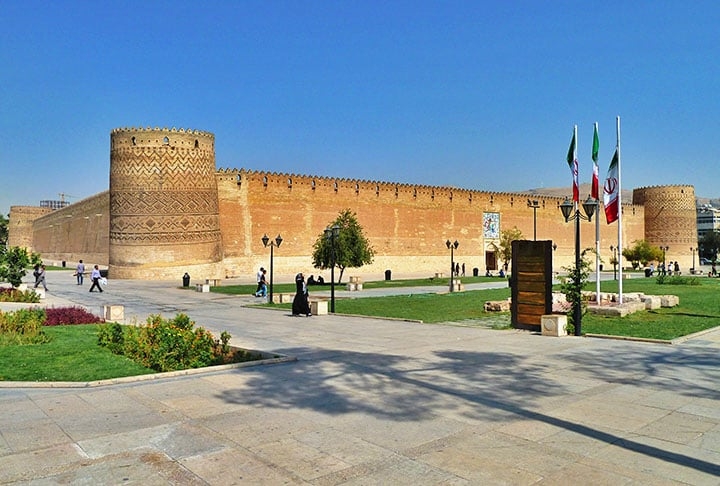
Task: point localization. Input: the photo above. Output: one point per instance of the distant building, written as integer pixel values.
(708, 220)
(54, 204)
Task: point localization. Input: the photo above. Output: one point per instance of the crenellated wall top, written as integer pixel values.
(159, 138)
(162, 130)
(293, 179)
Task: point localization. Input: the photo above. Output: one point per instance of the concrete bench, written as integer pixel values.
(213, 282)
(202, 287)
(319, 307)
(114, 313)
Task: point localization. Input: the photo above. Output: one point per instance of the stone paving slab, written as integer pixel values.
(371, 401)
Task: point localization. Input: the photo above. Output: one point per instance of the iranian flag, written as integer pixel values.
(611, 191)
(594, 191)
(572, 161)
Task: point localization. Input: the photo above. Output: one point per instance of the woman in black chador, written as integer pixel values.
(300, 302)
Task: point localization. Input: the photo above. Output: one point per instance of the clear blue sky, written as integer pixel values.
(472, 94)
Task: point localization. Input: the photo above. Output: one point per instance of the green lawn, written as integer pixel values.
(72, 355)
(699, 309)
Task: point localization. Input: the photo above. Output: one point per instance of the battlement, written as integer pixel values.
(173, 138)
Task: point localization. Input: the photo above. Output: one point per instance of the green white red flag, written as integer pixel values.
(572, 161)
(611, 191)
(594, 190)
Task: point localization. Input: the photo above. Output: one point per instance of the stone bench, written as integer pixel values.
(114, 313)
(202, 287)
(553, 325)
(319, 307)
(354, 286)
(213, 282)
(282, 298)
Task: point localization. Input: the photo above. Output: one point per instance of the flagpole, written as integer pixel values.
(620, 218)
(597, 235)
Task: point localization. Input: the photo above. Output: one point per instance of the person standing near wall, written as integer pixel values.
(95, 276)
(80, 272)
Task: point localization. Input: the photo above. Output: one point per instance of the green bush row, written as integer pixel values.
(165, 344)
(23, 326)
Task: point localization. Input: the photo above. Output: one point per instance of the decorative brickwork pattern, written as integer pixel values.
(163, 192)
(670, 219)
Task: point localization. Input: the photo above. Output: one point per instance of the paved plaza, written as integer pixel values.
(371, 401)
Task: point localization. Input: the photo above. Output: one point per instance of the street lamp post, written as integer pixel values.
(267, 242)
(332, 234)
(452, 247)
(534, 204)
(664, 249)
(614, 250)
(571, 210)
(693, 250)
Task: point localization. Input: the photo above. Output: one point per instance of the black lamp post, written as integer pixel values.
(332, 234)
(664, 249)
(534, 204)
(452, 247)
(570, 210)
(266, 241)
(614, 250)
(693, 250)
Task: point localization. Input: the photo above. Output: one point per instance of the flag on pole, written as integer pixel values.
(573, 164)
(611, 191)
(595, 192)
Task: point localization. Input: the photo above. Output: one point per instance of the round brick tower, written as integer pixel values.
(164, 217)
(670, 220)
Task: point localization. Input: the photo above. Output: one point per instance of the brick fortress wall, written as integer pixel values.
(169, 211)
(77, 231)
(406, 224)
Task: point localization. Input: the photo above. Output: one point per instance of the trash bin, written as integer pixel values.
(648, 272)
(63, 263)
(476, 272)
(601, 267)
(388, 275)
(186, 280)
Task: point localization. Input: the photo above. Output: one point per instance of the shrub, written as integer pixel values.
(14, 295)
(60, 316)
(162, 344)
(23, 326)
(676, 280)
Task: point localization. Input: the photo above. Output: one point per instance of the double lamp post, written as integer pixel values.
(332, 234)
(570, 210)
(267, 242)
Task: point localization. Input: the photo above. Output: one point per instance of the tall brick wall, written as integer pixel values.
(406, 224)
(78, 231)
(20, 225)
(169, 211)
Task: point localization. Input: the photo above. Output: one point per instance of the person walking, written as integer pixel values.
(301, 305)
(259, 277)
(40, 277)
(80, 272)
(95, 276)
(262, 283)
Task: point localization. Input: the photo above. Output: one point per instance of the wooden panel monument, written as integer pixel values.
(531, 283)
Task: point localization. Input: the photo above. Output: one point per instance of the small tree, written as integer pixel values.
(709, 245)
(352, 248)
(14, 262)
(641, 253)
(3, 230)
(572, 285)
(505, 246)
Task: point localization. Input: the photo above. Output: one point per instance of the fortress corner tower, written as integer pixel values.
(164, 218)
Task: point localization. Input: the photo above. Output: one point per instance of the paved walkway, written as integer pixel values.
(371, 401)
